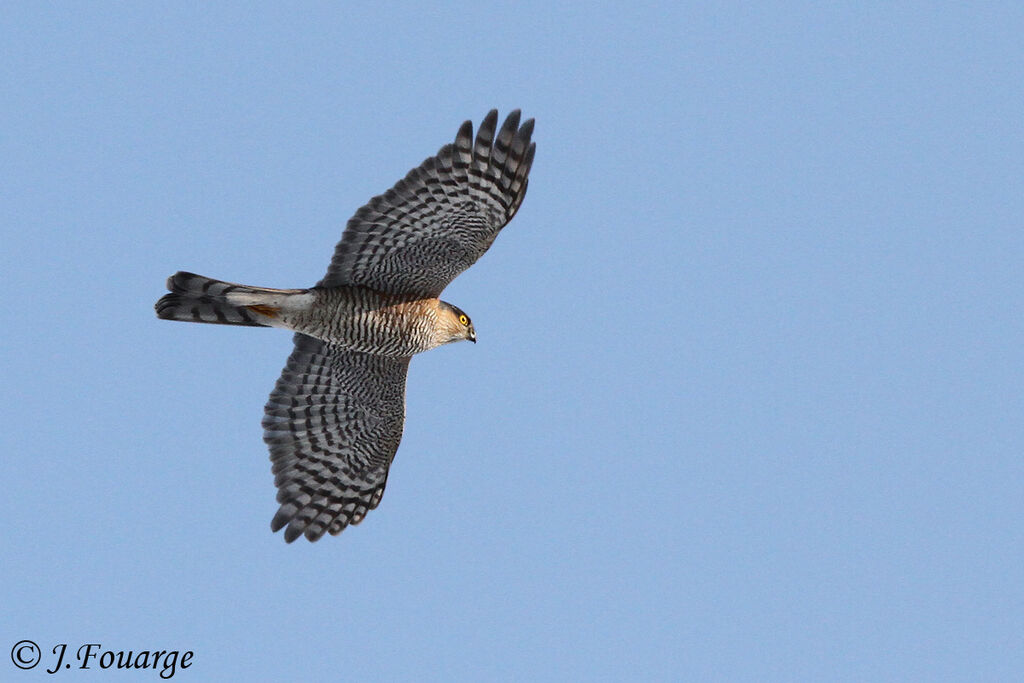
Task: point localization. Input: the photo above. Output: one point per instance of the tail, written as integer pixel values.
(199, 299)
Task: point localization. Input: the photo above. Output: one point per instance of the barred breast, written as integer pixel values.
(365, 320)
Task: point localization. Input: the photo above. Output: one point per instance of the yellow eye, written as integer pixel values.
(463, 319)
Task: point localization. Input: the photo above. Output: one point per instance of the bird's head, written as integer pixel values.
(455, 324)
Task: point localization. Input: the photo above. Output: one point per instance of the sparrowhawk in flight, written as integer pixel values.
(334, 420)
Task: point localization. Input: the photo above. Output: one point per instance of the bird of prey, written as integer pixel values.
(334, 420)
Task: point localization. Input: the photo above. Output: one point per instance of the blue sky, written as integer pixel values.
(748, 394)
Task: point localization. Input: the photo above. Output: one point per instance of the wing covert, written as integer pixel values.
(437, 221)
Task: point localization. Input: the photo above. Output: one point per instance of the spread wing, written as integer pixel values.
(438, 220)
(333, 423)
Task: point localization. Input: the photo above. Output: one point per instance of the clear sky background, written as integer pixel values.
(747, 399)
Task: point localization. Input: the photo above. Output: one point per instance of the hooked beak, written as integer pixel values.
(472, 335)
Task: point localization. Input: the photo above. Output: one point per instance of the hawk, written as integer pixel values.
(334, 420)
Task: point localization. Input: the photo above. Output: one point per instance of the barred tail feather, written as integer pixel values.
(194, 298)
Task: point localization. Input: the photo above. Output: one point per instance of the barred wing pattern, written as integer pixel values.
(438, 220)
(333, 424)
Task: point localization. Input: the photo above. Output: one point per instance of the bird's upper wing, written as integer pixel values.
(333, 423)
(438, 220)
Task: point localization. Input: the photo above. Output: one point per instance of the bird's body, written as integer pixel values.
(334, 421)
(353, 318)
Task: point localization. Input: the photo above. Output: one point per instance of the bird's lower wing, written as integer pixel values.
(333, 424)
